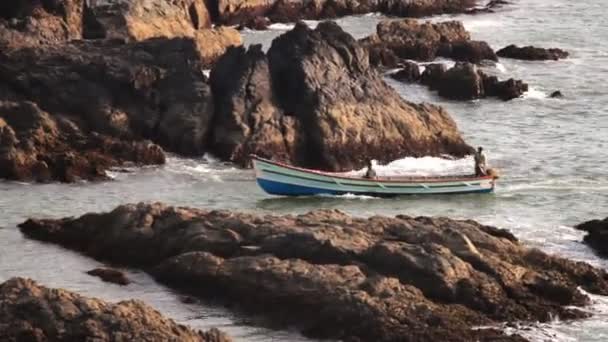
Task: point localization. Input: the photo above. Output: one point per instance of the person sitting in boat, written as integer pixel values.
(480, 162)
(370, 174)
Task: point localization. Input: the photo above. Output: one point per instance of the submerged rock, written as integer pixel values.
(342, 277)
(597, 235)
(31, 312)
(314, 100)
(410, 39)
(111, 276)
(532, 53)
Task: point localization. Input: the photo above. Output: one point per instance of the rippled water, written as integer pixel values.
(552, 154)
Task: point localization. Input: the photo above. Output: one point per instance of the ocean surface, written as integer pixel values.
(552, 154)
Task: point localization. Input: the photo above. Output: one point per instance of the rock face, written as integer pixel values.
(382, 279)
(531, 53)
(30, 312)
(396, 40)
(35, 146)
(139, 20)
(597, 235)
(152, 90)
(235, 12)
(315, 101)
(111, 276)
(465, 82)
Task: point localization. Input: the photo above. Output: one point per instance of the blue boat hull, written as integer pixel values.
(285, 189)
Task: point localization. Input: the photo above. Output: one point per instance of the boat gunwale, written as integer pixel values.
(415, 180)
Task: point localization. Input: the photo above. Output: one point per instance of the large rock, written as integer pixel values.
(597, 235)
(410, 39)
(315, 101)
(381, 278)
(35, 146)
(531, 53)
(247, 116)
(31, 312)
(153, 89)
(465, 82)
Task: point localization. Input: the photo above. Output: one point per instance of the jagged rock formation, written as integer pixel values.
(31, 312)
(314, 100)
(463, 82)
(396, 40)
(383, 279)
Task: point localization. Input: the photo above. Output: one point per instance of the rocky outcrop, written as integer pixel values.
(36, 146)
(531, 53)
(337, 276)
(235, 12)
(315, 101)
(110, 275)
(597, 235)
(142, 19)
(396, 40)
(139, 20)
(463, 82)
(148, 90)
(31, 312)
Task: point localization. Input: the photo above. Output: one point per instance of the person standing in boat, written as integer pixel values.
(480, 162)
(370, 174)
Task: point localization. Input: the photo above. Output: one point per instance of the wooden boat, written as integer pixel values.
(281, 179)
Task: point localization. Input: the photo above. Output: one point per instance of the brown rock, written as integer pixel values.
(410, 39)
(35, 146)
(213, 43)
(142, 19)
(110, 275)
(465, 82)
(327, 109)
(337, 276)
(532, 53)
(28, 23)
(153, 89)
(597, 235)
(30, 312)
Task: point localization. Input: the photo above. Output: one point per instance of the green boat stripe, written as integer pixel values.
(341, 182)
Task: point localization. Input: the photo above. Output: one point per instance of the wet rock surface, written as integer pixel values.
(396, 40)
(597, 235)
(381, 278)
(532, 53)
(464, 81)
(110, 275)
(31, 312)
(314, 100)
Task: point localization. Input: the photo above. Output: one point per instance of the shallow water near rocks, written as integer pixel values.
(551, 153)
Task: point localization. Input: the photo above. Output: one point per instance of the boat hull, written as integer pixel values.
(283, 180)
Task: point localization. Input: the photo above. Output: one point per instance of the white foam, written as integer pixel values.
(425, 166)
(281, 26)
(500, 67)
(473, 25)
(534, 93)
(207, 72)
